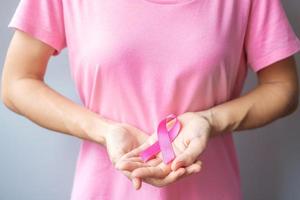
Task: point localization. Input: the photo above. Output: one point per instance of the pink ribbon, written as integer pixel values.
(164, 143)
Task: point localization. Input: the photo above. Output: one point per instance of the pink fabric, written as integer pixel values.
(137, 61)
(165, 136)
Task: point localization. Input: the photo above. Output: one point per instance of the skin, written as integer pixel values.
(24, 91)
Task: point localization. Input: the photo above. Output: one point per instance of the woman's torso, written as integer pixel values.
(137, 61)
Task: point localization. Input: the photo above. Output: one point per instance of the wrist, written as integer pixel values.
(221, 119)
(209, 115)
(97, 128)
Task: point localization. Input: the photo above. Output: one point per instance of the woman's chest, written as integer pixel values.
(192, 33)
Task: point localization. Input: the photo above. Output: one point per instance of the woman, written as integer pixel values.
(135, 62)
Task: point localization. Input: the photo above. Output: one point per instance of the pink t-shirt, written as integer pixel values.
(137, 61)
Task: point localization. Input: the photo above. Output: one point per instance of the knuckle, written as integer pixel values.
(160, 185)
(188, 159)
(155, 182)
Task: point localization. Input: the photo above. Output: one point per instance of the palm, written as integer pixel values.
(192, 138)
(123, 138)
(187, 146)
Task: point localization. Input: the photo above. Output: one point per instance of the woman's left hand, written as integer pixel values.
(188, 145)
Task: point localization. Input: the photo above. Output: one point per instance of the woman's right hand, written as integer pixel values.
(121, 138)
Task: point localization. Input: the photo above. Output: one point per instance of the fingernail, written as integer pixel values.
(197, 170)
(135, 183)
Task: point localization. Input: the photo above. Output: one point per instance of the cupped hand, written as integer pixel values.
(120, 139)
(188, 145)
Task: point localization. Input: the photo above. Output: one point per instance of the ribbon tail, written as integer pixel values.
(150, 152)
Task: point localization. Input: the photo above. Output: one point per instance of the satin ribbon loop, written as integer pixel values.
(164, 143)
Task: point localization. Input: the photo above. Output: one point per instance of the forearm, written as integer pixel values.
(260, 106)
(38, 102)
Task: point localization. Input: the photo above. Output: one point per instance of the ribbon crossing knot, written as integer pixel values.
(164, 143)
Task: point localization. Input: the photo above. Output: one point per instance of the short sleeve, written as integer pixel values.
(269, 36)
(42, 19)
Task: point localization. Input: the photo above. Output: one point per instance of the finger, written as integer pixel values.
(128, 160)
(136, 182)
(136, 162)
(130, 166)
(194, 168)
(133, 163)
(135, 152)
(159, 171)
(127, 174)
(133, 159)
(190, 154)
(154, 162)
(170, 178)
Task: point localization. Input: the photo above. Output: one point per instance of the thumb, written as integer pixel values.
(137, 183)
(189, 155)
